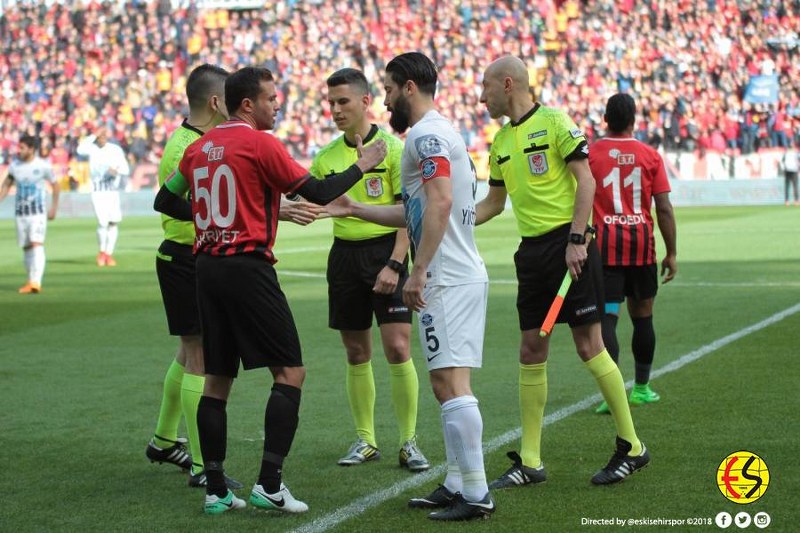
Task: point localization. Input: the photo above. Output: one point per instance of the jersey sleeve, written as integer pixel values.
(281, 171)
(316, 167)
(495, 174)
(177, 184)
(432, 155)
(570, 140)
(393, 159)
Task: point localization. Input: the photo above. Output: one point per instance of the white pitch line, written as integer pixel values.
(361, 505)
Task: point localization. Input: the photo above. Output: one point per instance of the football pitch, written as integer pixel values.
(82, 363)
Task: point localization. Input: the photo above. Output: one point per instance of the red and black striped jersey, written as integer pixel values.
(237, 175)
(628, 173)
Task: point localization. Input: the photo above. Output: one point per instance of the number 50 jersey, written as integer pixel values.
(628, 173)
(237, 175)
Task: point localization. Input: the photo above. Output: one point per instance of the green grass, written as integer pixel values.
(81, 367)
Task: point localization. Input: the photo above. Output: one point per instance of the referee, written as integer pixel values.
(539, 158)
(366, 271)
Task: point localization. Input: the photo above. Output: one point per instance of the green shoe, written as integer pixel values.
(216, 505)
(642, 394)
(603, 409)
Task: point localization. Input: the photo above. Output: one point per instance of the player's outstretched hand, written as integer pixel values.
(370, 156)
(302, 213)
(339, 207)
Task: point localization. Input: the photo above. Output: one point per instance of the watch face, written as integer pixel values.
(577, 238)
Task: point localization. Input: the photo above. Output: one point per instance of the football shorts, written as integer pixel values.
(31, 229)
(451, 327)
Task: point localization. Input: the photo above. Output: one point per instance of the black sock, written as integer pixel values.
(212, 427)
(643, 346)
(609, 327)
(280, 425)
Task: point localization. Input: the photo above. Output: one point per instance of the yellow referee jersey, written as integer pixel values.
(379, 186)
(530, 157)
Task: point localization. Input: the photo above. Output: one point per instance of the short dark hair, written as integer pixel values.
(416, 67)
(204, 81)
(349, 76)
(28, 140)
(244, 83)
(620, 112)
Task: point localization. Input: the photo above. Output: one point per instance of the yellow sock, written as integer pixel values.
(361, 394)
(191, 391)
(532, 399)
(405, 394)
(609, 379)
(170, 414)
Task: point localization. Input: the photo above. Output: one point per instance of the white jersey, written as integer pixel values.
(431, 144)
(101, 160)
(30, 178)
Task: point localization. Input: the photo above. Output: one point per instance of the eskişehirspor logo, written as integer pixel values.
(743, 477)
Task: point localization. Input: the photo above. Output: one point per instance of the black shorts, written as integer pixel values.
(541, 266)
(244, 314)
(353, 267)
(176, 277)
(635, 282)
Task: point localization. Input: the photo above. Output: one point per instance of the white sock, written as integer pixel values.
(102, 237)
(113, 231)
(28, 255)
(36, 272)
(452, 481)
(464, 432)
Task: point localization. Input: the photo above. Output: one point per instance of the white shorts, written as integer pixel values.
(451, 326)
(30, 229)
(107, 207)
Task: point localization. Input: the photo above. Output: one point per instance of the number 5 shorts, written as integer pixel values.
(451, 327)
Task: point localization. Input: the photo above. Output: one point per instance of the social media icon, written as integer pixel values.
(761, 520)
(723, 520)
(742, 520)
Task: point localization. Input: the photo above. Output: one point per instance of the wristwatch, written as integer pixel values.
(577, 238)
(397, 266)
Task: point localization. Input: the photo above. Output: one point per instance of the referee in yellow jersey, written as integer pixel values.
(540, 159)
(367, 267)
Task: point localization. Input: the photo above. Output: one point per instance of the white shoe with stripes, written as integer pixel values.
(621, 464)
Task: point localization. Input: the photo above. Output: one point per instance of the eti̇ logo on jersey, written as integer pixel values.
(538, 163)
(743, 477)
(374, 187)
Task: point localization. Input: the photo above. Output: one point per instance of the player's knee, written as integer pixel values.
(357, 353)
(289, 375)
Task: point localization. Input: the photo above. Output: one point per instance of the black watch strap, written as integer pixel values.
(397, 266)
(577, 238)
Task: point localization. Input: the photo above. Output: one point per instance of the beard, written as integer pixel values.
(401, 115)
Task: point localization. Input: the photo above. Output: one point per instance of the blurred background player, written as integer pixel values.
(791, 164)
(366, 271)
(31, 174)
(539, 158)
(448, 284)
(108, 166)
(244, 313)
(630, 175)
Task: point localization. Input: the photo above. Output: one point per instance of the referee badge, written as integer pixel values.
(538, 163)
(374, 187)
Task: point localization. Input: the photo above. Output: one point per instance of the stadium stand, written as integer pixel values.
(711, 76)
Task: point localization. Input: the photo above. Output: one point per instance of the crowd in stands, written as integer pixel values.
(67, 68)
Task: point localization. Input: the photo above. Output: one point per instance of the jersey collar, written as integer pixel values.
(185, 124)
(527, 115)
(373, 131)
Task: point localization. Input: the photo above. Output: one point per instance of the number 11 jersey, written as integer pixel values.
(628, 173)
